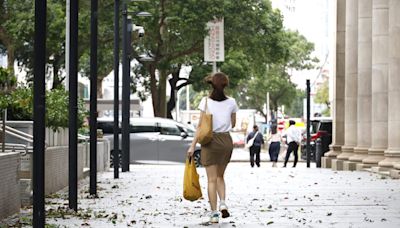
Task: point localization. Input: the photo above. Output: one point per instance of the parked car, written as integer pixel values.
(320, 128)
(238, 139)
(154, 139)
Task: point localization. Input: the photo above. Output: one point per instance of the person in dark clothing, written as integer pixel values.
(256, 147)
(293, 137)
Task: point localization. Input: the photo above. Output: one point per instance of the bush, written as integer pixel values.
(7, 84)
(21, 107)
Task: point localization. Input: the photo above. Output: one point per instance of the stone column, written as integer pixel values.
(395, 173)
(392, 154)
(380, 64)
(350, 124)
(364, 84)
(338, 86)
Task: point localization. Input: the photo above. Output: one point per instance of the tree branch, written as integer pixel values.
(195, 48)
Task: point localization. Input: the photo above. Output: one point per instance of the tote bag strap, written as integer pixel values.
(206, 107)
(254, 137)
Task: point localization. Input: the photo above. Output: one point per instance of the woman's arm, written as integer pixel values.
(233, 119)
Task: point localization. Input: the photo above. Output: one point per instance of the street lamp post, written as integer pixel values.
(93, 97)
(126, 79)
(308, 124)
(73, 108)
(125, 91)
(39, 110)
(116, 90)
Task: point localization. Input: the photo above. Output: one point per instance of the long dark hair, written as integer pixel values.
(273, 129)
(218, 81)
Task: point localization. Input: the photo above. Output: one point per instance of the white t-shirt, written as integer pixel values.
(293, 134)
(221, 111)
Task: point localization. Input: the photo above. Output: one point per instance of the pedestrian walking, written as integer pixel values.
(274, 140)
(257, 140)
(216, 154)
(293, 138)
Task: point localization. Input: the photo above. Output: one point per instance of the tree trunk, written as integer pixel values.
(56, 78)
(153, 89)
(162, 90)
(174, 90)
(172, 101)
(100, 87)
(10, 58)
(265, 116)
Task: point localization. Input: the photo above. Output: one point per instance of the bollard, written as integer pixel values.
(318, 152)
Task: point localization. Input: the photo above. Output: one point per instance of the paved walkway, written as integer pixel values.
(151, 196)
(243, 155)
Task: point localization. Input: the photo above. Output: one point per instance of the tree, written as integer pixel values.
(296, 108)
(105, 52)
(281, 91)
(176, 32)
(7, 84)
(17, 32)
(275, 78)
(322, 97)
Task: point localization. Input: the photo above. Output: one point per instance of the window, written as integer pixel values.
(188, 131)
(326, 126)
(107, 127)
(143, 127)
(169, 129)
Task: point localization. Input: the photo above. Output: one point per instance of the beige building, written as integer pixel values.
(366, 106)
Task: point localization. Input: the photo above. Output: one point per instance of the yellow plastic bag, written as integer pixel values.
(191, 184)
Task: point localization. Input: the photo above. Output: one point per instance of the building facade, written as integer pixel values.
(366, 105)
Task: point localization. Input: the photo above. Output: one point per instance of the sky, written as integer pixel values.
(315, 20)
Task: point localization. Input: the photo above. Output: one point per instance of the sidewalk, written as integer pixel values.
(151, 196)
(243, 155)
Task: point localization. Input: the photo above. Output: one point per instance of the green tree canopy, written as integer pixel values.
(322, 97)
(17, 32)
(176, 32)
(274, 78)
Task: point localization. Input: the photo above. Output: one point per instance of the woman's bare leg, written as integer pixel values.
(212, 185)
(221, 181)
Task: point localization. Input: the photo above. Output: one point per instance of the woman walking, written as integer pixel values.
(275, 145)
(216, 155)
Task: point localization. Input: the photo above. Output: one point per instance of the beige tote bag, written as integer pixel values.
(205, 129)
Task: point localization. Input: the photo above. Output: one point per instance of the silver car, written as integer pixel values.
(155, 139)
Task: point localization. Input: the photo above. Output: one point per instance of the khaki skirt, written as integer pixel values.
(218, 151)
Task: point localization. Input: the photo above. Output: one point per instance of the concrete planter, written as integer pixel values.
(9, 187)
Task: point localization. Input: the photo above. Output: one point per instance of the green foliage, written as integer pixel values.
(295, 54)
(296, 51)
(254, 39)
(322, 97)
(105, 54)
(21, 107)
(17, 22)
(253, 92)
(7, 79)
(57, 109)
(296, 108)
(175, 35)
(7, 84)
(237, 65)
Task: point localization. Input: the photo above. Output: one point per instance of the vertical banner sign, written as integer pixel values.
(214, 42)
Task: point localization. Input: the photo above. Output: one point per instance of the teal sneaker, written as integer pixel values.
(214, 217)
